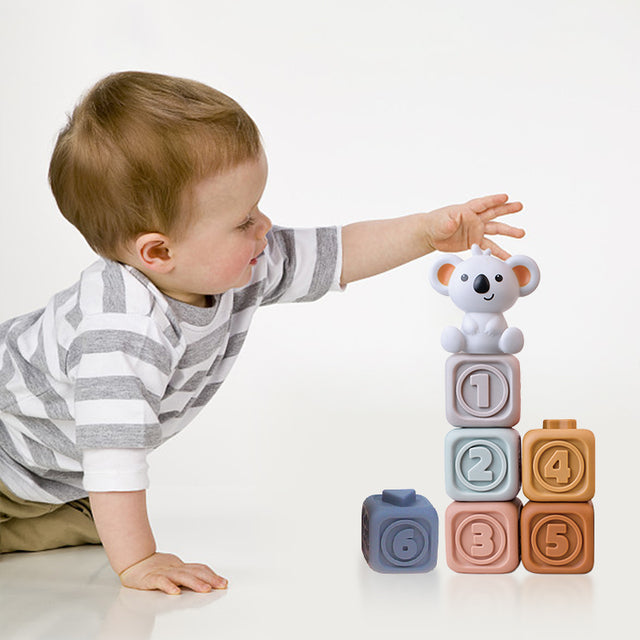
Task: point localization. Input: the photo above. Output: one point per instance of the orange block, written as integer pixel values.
(558, 463)
(557, 537)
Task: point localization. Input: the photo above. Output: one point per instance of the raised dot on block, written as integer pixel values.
(399, 532)
(482, 465)
(482, 390)
(557, 537)
(558, 463)
(482, 537)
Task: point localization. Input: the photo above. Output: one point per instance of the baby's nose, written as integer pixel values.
(481, 284)
(265, 225)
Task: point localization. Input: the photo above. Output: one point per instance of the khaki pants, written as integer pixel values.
(37, 526)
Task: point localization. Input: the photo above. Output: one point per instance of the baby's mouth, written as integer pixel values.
(491, 298)
(254, 261)
(261, 252)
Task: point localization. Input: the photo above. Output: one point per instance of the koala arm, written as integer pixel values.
(496, 325)
(469, 325)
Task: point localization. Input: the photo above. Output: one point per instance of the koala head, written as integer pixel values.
(484, 283)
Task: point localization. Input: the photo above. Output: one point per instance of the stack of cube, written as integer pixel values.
(558, 477)
(486, 530)
(482, 463)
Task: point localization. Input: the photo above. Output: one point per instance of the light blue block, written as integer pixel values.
(482, 464)
(399, 532)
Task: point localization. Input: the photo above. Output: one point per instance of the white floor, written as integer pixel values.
(294, 574)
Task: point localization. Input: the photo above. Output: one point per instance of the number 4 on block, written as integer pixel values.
(558, 463)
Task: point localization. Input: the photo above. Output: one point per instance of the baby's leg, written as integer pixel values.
(34, 526)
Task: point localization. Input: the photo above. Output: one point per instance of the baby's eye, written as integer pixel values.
(249, 222)
(464, 277)
(498, 278)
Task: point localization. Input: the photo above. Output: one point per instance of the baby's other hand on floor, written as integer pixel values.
(166, 572)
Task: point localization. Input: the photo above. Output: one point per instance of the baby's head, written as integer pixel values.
(134, 147)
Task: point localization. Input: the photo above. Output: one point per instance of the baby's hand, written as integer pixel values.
(168, 573)
(457, 227)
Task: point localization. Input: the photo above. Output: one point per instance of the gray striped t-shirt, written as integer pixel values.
(112, 364)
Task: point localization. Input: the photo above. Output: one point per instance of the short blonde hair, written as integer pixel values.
(131, 148)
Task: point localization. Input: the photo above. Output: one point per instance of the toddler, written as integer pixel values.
(163, 177)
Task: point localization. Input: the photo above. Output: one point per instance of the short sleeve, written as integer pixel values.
(120, 366)
(301, 265)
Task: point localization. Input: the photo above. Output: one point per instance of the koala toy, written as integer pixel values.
(484, 286)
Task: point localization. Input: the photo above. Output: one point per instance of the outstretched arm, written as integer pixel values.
(376, 246)
(123, 525)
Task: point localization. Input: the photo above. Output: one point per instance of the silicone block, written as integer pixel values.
(558, 463)
(557, 537)
(399, 532)
(482, 390)
(482, 537)
(482, 465)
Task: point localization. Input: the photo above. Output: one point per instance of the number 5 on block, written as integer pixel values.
(557, 537)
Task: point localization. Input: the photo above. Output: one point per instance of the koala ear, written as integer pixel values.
(527, 273)
(440, 273)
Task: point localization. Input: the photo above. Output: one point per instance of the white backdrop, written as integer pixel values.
(368, 110)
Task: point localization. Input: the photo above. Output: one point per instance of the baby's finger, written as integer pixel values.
(480, 205)
(163, 583)
(496, 250)
(186, 578)
(209, 576)
(502, 210)
(502, 229)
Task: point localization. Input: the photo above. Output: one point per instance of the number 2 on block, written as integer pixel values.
(480, 471)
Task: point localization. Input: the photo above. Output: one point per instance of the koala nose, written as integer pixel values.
(481, 284)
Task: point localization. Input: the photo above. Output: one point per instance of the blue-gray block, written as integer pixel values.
(399, 532)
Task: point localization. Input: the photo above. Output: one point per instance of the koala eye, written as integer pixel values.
(464, 277)
(498, 278)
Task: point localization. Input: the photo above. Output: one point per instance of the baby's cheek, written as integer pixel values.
(236, 264)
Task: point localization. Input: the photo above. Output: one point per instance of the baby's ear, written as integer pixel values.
(153, 251)
(527, 273)
(440, 272)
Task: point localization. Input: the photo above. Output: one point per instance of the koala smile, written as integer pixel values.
(490, 297)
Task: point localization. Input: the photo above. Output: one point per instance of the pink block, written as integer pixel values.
(483, 537)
